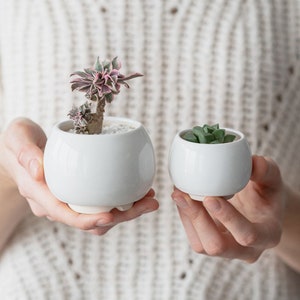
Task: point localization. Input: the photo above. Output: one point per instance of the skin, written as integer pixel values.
(265, 214)
(22, 175)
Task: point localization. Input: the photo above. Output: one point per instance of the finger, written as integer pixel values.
(151, 193)
(243, 231)
(265, 171)
(36, 208)
(64, 214)
(231, 250)
(226, 246)
(191, 233)
(143, 206)
(211, 238)
(100, 230)
(61, 212)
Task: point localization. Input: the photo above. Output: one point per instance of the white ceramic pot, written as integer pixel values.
(95, 173)
(210, 169)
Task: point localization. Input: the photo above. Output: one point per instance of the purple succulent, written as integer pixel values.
(81, 116)
(102, 81)
(99, 84)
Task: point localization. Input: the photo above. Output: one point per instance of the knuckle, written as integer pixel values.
(23, 191)
(23, 152)
(19, 126)
(252, 259)
(274, 241)
(37, 212)
(196, 216)
(197, 247)
(85, 226)
(250, 239)
(19, 122)
(101, 231)
(225, 215)
(216, 249)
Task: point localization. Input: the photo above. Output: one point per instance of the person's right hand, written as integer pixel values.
(21, 163)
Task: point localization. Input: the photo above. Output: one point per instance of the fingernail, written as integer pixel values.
(180, 201)
(213, 205)
(34, 166)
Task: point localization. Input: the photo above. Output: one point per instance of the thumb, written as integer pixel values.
(27, 140)
(265, 171)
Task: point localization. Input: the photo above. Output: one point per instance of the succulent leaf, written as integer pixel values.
(200, 134)
(116, 64)
(189, 136)
(229, 138)
(98, 67)
(219, 134)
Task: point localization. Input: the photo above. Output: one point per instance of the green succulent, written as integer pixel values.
(208, 134)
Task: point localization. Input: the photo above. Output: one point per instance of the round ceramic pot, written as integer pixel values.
(95, 173)
(210, 169)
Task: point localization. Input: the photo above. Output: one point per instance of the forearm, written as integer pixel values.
(289, 247)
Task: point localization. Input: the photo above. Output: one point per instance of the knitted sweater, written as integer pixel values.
(211, 61)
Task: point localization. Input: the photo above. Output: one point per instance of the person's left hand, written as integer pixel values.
(242, 227)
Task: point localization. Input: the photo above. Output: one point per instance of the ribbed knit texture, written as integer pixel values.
(231, 62)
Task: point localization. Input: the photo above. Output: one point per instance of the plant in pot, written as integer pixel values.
(210, 161)
(95, 163)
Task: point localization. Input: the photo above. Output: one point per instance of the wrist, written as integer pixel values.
(292, 206)
(13, 209)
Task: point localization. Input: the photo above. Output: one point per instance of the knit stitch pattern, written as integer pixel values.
(235, 63)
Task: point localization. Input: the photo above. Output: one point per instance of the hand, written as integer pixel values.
(21, 163)
(242, 227)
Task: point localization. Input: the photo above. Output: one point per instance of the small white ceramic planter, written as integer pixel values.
(210, 169)
(95, 173)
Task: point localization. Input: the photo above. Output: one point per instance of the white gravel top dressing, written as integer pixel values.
(112, 127)
(116, 127)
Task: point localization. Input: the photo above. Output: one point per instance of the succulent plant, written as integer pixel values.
(100, 84)
(208, 134)
(80, 116)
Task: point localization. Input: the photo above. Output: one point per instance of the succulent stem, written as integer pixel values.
(95, 125)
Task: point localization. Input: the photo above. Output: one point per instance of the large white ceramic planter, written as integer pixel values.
(95, 173)
(210, 169)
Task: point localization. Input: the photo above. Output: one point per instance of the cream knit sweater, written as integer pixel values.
(234, 62)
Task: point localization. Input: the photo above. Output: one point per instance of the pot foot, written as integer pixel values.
(201, 198)
(90, 209)
(197, 197)
(125, 207)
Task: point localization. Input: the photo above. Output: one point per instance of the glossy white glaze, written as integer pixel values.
(210, 169)
(95, 173)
